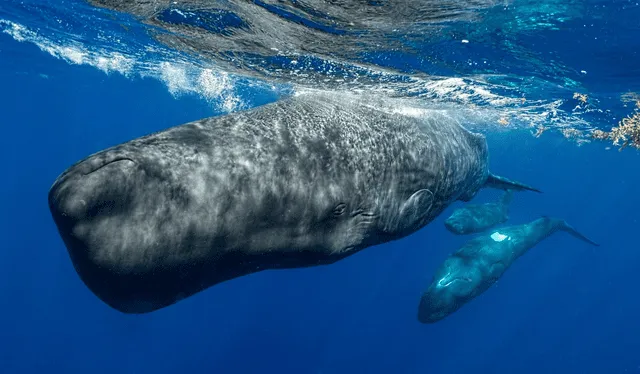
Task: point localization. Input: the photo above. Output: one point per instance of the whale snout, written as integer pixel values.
(89, 204)
(440, 299)
(88, 189)
(454, 226)
(431, 308)
(452, 287)
(116, 215)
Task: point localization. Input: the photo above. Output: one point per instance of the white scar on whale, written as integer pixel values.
(498, 237)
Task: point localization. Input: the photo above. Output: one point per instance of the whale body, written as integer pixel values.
(304, 181)
(479, 263)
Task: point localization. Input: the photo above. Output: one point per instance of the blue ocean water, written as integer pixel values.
(564, 307)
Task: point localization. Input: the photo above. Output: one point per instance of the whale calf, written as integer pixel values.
(303, 181)
(479, 263)
(474, 218)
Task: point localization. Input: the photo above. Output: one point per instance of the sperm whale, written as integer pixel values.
(479, 263)
(303, 181)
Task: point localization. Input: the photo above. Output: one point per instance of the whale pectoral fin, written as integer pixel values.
(415, 210)
(502, 183)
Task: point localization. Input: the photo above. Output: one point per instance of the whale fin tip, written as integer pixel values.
(502, 183)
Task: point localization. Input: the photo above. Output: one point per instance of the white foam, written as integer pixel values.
(117, 62)
(465, 91)
(468, 99)
(175, 78)
(72, 53)
(180, 78)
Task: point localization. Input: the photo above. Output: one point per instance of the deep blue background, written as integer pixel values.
(564, 307)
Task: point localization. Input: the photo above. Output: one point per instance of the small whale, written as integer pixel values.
(474, 218)
(478, 264)
(304, 181)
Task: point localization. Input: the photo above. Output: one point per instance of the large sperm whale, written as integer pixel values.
(473, 218)
(479, 263)
(304, 181)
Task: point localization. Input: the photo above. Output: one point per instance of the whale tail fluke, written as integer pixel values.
(502, 183)
(568, 228)
(506, 197)
(564, 226)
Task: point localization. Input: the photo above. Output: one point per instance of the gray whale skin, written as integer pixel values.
(304, 181)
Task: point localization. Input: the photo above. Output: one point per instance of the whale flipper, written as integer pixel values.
(502, 183)
(564, 226)
(416, 208)
(507, 197)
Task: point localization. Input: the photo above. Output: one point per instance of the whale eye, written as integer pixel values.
(339, 209)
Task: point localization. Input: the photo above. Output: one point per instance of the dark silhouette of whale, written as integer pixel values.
(304, 181)
(474, 218)
(477, 265)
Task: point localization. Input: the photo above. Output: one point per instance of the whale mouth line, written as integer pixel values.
(117, 159)
(448, 282)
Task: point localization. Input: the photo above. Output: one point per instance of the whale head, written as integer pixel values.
(160, 218)
(454, 225)
(119, 214)
(453, 285)
(459, 222)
